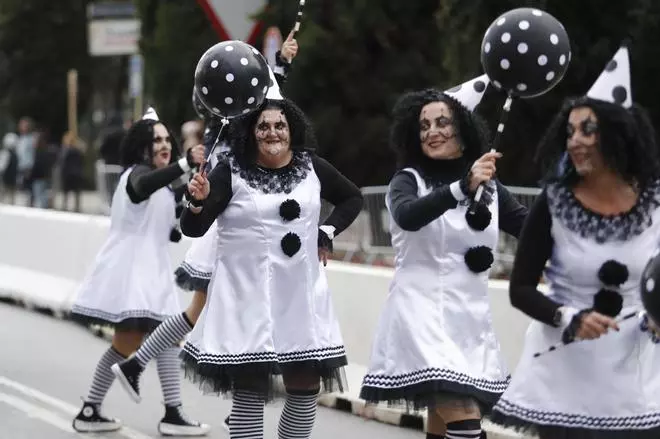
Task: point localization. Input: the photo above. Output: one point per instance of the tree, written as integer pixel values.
(39, 42)
(175, 34)
(355, 59)
(595, 29)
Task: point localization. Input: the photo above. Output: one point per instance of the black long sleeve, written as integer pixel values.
(411, 212)
(341, 192)
(145, 180)
(511, 213)
(534, 249)
(196, 225)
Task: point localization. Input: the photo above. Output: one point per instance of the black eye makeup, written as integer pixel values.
(440, 122)
(159, 139)
(589, 127)
(265, 126)
(443, 122)
(570, 131)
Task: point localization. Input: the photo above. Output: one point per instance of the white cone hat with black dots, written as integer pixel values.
(471, 92)
(613, 84)
(274, 93)
(150, 114)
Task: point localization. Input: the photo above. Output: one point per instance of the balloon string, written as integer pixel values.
(207, 165)
(498, 136)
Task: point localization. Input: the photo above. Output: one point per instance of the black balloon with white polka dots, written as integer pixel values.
(525, 52)
(232, 78)
(650, 287)
(201, 111)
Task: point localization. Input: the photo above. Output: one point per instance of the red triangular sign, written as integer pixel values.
(231, 19)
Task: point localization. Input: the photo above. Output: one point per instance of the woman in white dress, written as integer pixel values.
(434, 346)
(596, 224)
(269, 310)
(195, 271)
(129, 286)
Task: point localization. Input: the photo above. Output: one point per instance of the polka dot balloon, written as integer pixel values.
(232, 79)
(201, 111)
(525, 52)
(650, 287)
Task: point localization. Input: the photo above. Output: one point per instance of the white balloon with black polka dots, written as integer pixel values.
(228, 75)
(525, 52)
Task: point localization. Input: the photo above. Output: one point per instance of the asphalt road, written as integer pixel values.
(46, 367)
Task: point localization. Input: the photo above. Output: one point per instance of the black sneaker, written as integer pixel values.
(128, 373)
(90, 420)
(176, 423)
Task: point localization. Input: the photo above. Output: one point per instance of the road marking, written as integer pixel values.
(61, 405)
(34, 411)
(40, 396)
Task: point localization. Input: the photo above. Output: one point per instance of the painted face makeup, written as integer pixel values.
(162, 146)
(437, 131)
(272, 133)
(582, 141)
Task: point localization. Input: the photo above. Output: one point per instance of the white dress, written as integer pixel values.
(194, 272)
(611, 384)
(269, 304)
(435, 332)
(196, 269)
(130, 285)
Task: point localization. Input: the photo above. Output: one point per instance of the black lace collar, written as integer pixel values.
(603, 228)
(273, 181)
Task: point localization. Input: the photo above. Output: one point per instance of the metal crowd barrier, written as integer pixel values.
(367, 240)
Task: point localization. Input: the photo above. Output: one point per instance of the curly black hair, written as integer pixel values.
(241, 131)
(627, 143)
(137, 145)
(472, 130)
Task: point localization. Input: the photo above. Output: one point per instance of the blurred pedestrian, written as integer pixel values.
(71, 170)
(8, 167)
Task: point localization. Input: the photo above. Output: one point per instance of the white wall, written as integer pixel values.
(44, 254)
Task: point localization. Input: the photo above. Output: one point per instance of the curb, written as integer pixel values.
(397, 417)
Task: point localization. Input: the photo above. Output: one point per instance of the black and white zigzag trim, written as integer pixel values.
(190, 279)
(116, 318)
(434, 374)
(510, 414)
(193, 272)
(258, 357)
(312, 354)
(248, 357)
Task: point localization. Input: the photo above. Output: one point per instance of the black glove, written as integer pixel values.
(569, 334)
(175, 235)
(325, 241)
